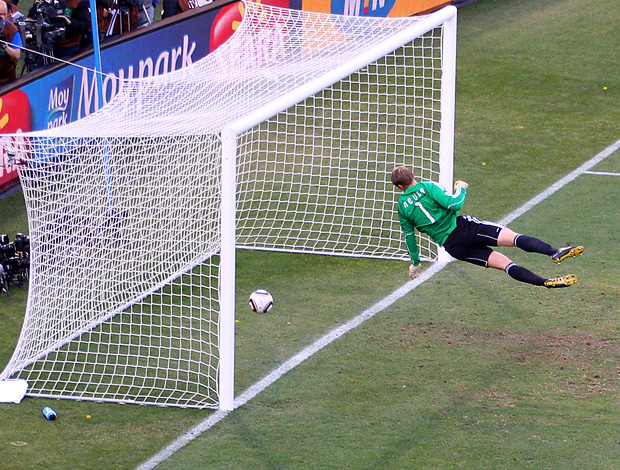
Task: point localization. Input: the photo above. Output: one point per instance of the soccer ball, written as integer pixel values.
(260, 301)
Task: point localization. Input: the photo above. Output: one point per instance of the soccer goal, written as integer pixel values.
(282, 139)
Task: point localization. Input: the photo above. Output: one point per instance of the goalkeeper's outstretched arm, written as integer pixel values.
(453, 202)
(412, 247)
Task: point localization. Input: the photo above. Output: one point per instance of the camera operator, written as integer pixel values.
(75, 18)
(9, 53)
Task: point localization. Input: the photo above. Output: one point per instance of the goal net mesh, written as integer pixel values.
(124, 205)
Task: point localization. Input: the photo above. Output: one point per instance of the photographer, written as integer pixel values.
(14, 12)
(9, 55)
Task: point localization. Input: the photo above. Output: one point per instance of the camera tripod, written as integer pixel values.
(35, 60)
(121, 13)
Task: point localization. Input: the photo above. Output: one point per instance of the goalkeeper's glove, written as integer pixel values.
(414, 271)
(458, 184)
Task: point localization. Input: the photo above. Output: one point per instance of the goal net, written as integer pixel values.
(282, 139)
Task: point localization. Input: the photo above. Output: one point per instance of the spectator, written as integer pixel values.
(9, 53)
(146, 13)
(172, 7)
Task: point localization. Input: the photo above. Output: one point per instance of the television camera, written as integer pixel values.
(14, 261)
(41, 32)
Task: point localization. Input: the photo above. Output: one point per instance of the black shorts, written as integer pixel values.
(471, 239)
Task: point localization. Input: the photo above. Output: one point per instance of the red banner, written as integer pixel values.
(14, 118)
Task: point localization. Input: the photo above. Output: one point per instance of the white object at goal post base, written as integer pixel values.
(445, 17)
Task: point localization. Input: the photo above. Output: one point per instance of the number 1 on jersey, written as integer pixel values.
(423, 209)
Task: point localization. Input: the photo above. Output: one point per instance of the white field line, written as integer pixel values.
(599, 157)
(601, 173)
(329, 338)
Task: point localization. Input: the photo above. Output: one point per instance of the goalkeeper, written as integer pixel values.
(427, 207)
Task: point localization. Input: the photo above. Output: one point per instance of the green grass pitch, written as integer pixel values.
(471, 370)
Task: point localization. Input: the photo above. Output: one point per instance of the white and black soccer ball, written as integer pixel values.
(260, 301)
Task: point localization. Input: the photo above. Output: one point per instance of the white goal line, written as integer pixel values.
(602, 173)
(332, 336)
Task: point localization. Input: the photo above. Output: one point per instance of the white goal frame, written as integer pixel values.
(164, 172)
(445, 17)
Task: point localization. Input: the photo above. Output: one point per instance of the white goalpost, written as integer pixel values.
(283, 139)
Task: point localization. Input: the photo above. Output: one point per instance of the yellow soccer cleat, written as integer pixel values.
(567, 252)
(563, 281)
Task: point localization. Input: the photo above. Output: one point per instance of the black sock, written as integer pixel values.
(534, 245)
(524, 275)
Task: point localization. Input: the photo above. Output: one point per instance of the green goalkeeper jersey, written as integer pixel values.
(428, 208)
